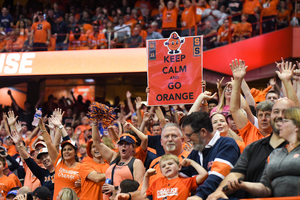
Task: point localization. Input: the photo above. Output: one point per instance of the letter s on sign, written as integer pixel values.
(24, 62)
(11, 64)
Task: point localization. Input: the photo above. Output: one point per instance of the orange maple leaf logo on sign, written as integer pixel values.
(174, 43)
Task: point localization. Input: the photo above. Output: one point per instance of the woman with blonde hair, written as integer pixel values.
(67, 194)
(224, 102)
(281, 175)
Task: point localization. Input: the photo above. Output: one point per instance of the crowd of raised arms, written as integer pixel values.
(95, 24)
(236, 143)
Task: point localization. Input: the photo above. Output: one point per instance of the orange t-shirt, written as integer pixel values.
(224, 34)
(28, 143)
(11, 150)
(188, 16)
(144, 34)
(250, 133)
(241, 145)
(269, 7)
(87, 159)
(131, 22)
(40, 31)
(101, 39)
(199, 11)
(283, 16)
(173, 189)
(155, 164)
(6, 184)
(249, 5)
(140, 154)
(77, 44)
(90, 189)
(65, 177)
(169, 17)
(242, 29)
(15, 178)
(81, 136)
(16, 45)
(30, 179)
(24, 33)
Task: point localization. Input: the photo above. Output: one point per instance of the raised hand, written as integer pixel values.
(219, 83)
(238, 69)
(55, 121)
(58, 113)
(150, 172)
(45, 119)
(272, 81)
(186, 162)
(128, 94)
(50, 125)
(207, 95)
(138, 103)
(18, 126)
(146, 117)
(11, 118)
(16, 136)
(127, 125)
(296, 75)
(286, 69)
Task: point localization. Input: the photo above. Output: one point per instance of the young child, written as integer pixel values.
(171, 186)
(6, 183)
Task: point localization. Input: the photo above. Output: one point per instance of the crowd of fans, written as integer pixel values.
(64, 25)
(235, 143)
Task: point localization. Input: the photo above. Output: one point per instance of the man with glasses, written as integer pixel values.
(216, 154)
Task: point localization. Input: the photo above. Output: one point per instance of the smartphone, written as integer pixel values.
(225, 188)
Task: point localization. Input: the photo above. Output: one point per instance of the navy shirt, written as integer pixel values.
(61, 29)
(5, 21)
(46, 178)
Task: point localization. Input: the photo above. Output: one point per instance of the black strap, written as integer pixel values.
(116, 161)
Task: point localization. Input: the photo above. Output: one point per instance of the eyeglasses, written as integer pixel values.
(189, 135)
(228, 90)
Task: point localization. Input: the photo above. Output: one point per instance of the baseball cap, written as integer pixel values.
(42, 151)
(42, 192)
(40, 142)
(69, 142)
(127, 138)
(12, 192)
(7, 137)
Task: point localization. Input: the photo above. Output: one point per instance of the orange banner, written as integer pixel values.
(174, 70)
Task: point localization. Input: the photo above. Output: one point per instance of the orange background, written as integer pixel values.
(190, 80)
